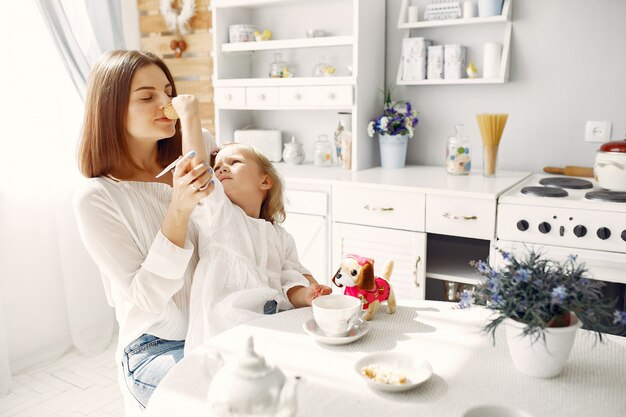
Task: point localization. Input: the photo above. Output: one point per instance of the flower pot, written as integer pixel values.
(539, 358)
(393, 150)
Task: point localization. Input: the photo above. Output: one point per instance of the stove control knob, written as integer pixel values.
(522, 225)
(544, 227)
(604, 233)
(580, 230)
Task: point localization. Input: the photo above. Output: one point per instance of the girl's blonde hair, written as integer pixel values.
(273, 206)
(103, 146)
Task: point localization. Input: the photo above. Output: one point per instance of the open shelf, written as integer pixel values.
(288, 44)
(453, 22)
(504, 18)
(448, 258)
(451, 82)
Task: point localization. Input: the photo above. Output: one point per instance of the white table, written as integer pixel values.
(468, 369)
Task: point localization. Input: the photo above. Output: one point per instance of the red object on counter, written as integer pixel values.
(615, 146)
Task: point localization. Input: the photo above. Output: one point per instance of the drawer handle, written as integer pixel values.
(261, 97)
(228, 97)
(331, 96)
(459, 217)
(415, 280)
(370, 208)
(297, 96)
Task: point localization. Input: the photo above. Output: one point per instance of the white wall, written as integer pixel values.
(568, 65)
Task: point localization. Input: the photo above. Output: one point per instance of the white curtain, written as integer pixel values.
(51, 295)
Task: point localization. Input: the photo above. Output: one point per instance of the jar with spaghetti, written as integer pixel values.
(458, 159)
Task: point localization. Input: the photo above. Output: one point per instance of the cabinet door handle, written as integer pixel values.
(228, 97)
(370, 208)
(459, 217)
(415, 279)
(261, 97)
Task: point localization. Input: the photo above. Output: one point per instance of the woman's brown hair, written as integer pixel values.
(103, 145)
(273, 206)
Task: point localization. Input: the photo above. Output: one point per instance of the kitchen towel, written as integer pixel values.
(454, 62)
(414, 58)
(492, 56)
(435, 62)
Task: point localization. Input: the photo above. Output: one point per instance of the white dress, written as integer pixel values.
(244, 262)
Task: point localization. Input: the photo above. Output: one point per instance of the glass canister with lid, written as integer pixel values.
(458, 157)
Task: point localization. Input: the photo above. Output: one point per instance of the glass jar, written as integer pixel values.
(323, 152)
(458, 159)
(278, 67)
(323, 69)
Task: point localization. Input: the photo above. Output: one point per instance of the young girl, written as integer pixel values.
(246, 258)
(138, 229)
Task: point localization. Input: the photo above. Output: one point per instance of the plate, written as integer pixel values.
(415, 369)
(310, 327)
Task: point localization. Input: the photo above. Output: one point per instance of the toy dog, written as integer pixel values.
(356, 273)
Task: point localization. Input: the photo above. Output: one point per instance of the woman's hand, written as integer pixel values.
(191, 183)
(304, 296)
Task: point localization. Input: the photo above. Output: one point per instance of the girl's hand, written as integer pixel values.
(315, 290)
(186, 105)
(191, 184)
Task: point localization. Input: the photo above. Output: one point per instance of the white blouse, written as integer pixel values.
(146, 277)
(244, 262)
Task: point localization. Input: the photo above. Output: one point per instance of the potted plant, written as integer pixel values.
(395, 125)
(542, 304)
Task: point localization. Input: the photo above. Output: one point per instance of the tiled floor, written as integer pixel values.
(73, 386)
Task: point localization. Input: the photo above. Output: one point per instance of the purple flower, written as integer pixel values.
(619, 317)
(522, 275)
(483, 267)
(467, 299)
(559, 294)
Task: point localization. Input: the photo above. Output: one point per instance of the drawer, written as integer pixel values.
(336, 95)
(298, 96)
(465, 217)
(306, 202)
(376, 207)
(230, 96)
(262, 96)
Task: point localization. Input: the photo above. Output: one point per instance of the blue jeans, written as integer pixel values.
(146, 360)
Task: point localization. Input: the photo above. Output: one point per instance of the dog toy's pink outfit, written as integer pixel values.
(380, 293)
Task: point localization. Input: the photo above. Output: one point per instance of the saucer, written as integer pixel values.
(415, 369)
(310, 327)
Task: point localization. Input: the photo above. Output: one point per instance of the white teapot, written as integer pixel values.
(249, 386)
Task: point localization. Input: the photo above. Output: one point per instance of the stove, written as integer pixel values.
(565, 212)
(563, 216)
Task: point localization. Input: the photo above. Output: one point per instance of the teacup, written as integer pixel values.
(335, 314)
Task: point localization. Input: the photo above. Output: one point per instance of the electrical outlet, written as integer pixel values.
(597, 131)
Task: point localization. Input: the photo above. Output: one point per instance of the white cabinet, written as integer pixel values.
(245, 95)
(307, 221)
(382, 224)
(406, 248)
(470, 32)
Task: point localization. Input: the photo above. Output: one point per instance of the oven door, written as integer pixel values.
(603, 266)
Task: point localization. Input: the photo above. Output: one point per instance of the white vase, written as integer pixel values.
(393, 150)
(539, 358)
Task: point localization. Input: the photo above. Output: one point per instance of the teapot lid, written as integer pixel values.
(250, 364)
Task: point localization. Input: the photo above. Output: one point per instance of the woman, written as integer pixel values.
(137, 228)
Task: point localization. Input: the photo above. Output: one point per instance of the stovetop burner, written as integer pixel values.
(610, 196)
(565, 182)
(545, 191)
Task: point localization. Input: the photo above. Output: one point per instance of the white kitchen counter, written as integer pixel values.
(426, 179)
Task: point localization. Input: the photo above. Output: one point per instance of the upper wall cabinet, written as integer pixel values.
(262, 83)
(472, 33)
